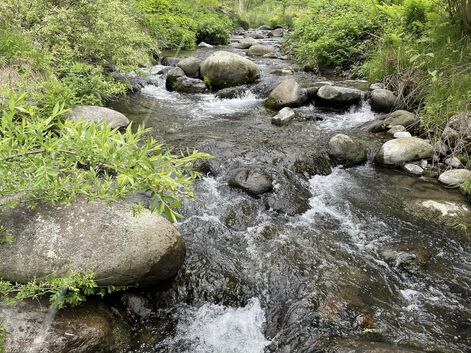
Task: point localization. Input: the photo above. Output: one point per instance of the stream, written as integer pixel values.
(332, 256)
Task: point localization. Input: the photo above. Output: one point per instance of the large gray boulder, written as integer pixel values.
(335, 95)
(223, 69)
(190, 66)
(91, 238)
(287, 94)
(246, 43)
(260, 50)
(382, 100)
(347, 151)
(400, 117)
(252, 181)
(96, 114)
(402, 150)
(84, 329)
(454, 177)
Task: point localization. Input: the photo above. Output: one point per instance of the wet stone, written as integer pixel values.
(252, 181)
(413, 169)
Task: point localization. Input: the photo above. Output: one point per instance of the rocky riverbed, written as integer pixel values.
(314, 229)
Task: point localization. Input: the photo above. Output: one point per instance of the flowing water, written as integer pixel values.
(332, 254)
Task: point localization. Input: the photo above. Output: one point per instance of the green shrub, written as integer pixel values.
(180, 24)
(212, 30)
(336, 34)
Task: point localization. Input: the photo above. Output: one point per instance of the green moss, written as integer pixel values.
(271, 103)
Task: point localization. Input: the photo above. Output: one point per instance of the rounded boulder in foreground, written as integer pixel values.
(402, 150)
(224, 69)
(90, 238)
(98, 115)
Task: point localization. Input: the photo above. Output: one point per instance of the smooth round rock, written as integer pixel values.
(382, 100)
(260, 50)
(90, 238)
(407, 149)
(190, 66)
(402, 134)
(287, 94)
(413, 169)
(224, 69)
(400, 117)
(284, 117)
(339, 95)
(347, 151)
(396, 128)
(97, 114)
(252, 181)
(453, 162)
(454, 177)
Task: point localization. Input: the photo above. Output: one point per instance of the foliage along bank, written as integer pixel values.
(65, 51)
(58, 53)
(419, 48)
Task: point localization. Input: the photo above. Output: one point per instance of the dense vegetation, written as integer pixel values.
(57, 53)
(65, 51)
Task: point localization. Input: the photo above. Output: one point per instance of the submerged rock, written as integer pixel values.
(336, 95)
(260, 50)
(357, 346)
(190, 66)
(383, 100)
(347, 151)
(91, 238)
(231, 92)
(407, 149)
(224, 69)
(252, 181)
(454, 177)
(97, 114)
(284, 117)
(287, 94)
(84, 329)
(246, 43)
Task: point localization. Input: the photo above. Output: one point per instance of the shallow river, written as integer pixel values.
(332, 256)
